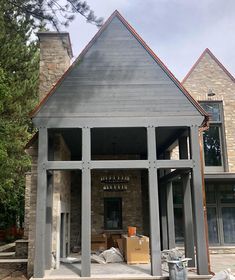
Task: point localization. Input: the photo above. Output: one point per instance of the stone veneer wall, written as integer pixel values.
(209, 75)
(131, 200)
(61, 192)
(61, 188)
(55, 55)
(75, 221)
(132, 203)
(30, 205)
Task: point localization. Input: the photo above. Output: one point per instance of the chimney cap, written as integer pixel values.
(65, 37)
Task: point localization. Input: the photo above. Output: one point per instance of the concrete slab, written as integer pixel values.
(222, 261)
(114, 271)
(122, 271)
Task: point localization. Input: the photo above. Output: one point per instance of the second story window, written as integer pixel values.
(213, 137)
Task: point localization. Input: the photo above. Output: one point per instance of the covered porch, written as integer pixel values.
(156, 150)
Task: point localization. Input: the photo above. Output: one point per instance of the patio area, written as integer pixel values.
(139, 271)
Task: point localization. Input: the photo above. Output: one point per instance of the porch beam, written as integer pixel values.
(119, 164)
(86, 204)
(155, 240)
(173, 175)
(63, 165)
(200, 230)
(174, 164)
(117, 121)
(40, 250)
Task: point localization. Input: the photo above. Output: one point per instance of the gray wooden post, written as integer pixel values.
(188, 220)
(86, 203)
(155, 242)
(64, 235)
(170, 215)
(200, 231)
(164, 231)
(170, 209)
(187, 204)
(39, 259)
(48, 238)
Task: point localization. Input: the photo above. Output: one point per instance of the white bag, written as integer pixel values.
(112, 255)
(223, 275)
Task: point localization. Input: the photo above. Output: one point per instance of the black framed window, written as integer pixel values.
(213, 137)
(112, 213)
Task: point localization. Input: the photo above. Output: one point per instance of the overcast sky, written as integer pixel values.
(178, 31)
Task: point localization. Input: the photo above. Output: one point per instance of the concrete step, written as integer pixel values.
(7, 247)
(13, 261)
(4, 255)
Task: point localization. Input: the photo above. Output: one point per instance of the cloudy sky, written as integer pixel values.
(177, 30)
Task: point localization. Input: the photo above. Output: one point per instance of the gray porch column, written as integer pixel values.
(86, 203)
(39, 259)
(188, 212)
(155, 242)
(188, 220)
(200, 231)
(170, 215)
(164, 231)
(170, 211)
(48, 243)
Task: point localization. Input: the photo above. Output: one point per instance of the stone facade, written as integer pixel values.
(133, 204)
(61, 196)
(208, 74)
(55, 56)
(75, 217)
(61, 189)
(30, 202)
(131, 200)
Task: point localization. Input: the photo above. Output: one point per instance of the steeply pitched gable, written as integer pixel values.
(117, 74)
(209, 54)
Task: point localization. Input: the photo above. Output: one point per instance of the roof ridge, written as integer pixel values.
(208, 51)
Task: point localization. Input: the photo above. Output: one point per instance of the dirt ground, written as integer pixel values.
(10, 273)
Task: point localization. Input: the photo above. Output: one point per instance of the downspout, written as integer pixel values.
(201, 129)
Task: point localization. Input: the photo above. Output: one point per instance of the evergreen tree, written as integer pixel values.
(19, 65)
(18, 95)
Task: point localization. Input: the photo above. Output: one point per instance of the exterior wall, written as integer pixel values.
(209, 75)
(55, 55)
(133, 206)
(75, 222)
(61, 192)
(131, 200)
(30, 201)
(61, 189)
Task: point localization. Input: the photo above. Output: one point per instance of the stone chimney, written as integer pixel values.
(55, 56)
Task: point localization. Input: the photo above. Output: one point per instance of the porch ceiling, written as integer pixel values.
(118, 141)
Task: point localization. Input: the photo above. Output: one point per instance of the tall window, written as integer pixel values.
(212, 138)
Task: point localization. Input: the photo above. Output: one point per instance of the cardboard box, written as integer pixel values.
(120, 245)
(98, 242)
(136, 249)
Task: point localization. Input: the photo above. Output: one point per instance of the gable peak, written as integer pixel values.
(209, 52)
